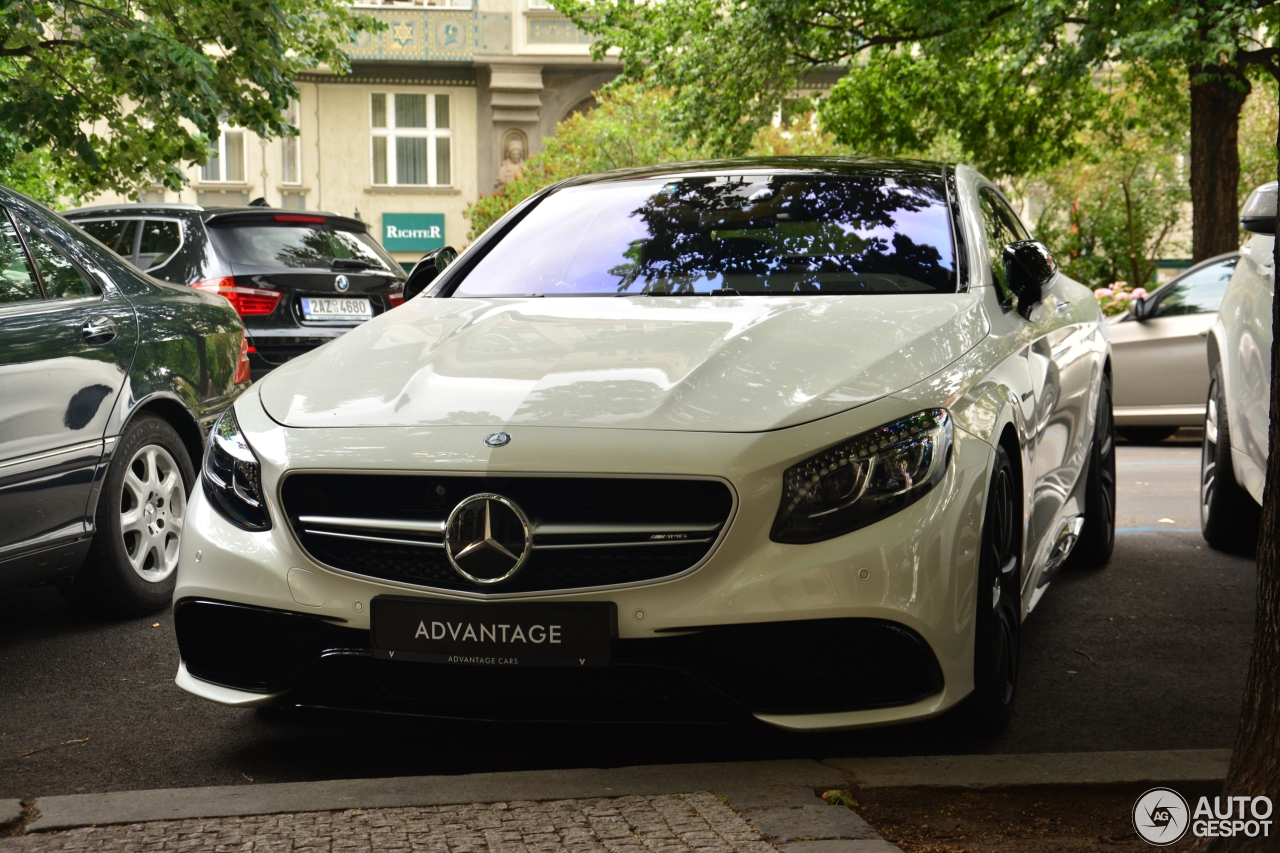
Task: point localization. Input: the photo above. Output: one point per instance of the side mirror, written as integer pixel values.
(425, 271)
(1259, 214)
(1028, 267)
(1138, 308)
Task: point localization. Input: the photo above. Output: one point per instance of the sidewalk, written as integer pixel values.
(753, 807)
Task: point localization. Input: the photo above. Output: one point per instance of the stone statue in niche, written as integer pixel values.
(513, 152)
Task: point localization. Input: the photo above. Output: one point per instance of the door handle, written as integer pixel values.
(99, 330)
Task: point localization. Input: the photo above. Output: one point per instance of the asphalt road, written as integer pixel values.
(1148, 653)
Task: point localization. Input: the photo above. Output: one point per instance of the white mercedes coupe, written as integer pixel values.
(805, 439)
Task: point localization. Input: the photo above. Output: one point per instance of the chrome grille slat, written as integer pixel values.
(399, 525)
(367, 538)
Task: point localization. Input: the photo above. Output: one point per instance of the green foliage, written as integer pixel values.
(1009, 85)
(1258, 152)
(632, 126)
(116, 94)
(1117, 207)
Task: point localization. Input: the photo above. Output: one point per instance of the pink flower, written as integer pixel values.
(1104, 291)
(1140, 292)
(1124, 296)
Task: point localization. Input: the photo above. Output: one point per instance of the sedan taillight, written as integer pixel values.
(248, 301)
(396, 297)
(242, 366)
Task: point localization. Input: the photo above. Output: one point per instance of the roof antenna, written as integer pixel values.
(259, 202)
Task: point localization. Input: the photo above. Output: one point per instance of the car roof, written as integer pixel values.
(832, 166)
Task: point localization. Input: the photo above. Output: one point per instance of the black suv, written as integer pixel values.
(297, 279)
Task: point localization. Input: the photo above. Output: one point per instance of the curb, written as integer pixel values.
(10, 812)
(778, 798)
(1158, 767)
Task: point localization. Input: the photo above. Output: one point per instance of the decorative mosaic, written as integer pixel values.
(439, 35)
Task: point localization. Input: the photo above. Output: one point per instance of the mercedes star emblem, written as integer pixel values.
(342, 283)
(497, 439)
(487, 539)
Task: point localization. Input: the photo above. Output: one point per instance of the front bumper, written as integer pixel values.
(804, 666)
(869, 628)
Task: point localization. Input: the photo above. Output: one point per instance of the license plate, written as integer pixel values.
(572, 634)
(336, 309)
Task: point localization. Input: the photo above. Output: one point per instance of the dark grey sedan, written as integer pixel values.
(109, 381)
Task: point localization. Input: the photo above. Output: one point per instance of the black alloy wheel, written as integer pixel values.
(1098, 535)
(999, 617)
(1229, 516)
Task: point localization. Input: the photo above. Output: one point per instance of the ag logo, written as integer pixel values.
(1161, 817)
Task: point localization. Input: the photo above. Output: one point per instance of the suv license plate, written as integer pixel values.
(572, 634)
(336, 309)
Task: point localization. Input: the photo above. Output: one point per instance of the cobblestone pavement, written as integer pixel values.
(665, 824)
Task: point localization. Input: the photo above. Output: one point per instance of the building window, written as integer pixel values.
(411, 139)
(541, 4)
(291, 146)
(226, 159)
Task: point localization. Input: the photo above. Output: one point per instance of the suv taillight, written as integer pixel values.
(396, 298)
(242, 366)
(248, 301)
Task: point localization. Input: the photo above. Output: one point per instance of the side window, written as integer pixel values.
(62, 280)
(160, 239)
(1200, 292)
(999, 233)
(17, 284)
(116, 234)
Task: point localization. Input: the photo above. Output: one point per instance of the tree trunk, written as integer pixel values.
(1255, 762)
(1216, 99)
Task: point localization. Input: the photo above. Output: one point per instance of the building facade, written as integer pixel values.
(439, 106)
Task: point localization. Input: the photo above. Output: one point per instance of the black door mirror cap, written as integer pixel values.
(1259, 213)
(1138, 308)
(424, 272)
(1259, 224)
(1028, 267)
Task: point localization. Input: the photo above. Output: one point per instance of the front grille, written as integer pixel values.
(586, 531)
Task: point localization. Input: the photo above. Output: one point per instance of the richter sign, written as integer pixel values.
(412, 232)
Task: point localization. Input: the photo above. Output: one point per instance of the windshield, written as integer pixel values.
(291, 246)
(727, 234)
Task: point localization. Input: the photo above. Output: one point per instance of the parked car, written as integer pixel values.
(1158, 346)
(298, 280)
(809, 437)
(1233, 465)
(109, 382)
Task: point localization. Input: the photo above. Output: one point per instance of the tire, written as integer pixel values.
(132, 563)
(1229, 516)
(1146, 434)
(1098, 535)
(998, 625)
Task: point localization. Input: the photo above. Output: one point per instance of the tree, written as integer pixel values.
(631, 126)
(1012, 81)
(1110, 212)
(115, 94)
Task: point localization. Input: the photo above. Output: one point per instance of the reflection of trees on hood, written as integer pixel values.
(787, 230)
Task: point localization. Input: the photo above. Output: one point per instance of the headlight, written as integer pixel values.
(232, 476)
(866, 478)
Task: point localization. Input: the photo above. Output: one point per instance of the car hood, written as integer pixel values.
(723, 364)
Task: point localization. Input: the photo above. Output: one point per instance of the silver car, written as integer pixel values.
(1161, 380)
